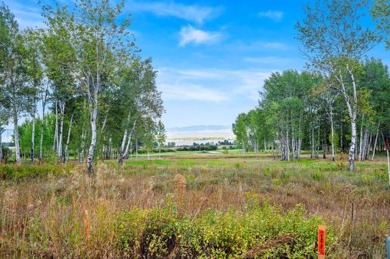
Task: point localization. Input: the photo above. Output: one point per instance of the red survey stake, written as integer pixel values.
(321, 242)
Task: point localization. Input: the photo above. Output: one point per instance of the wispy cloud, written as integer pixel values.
(181, 84)
(210, 85)
(193, 13)
(273, 15)
(273, 45)
(192, 92)
(189, 34)
(270, 60)
(250, 83)
(27, 16)
(259, 46)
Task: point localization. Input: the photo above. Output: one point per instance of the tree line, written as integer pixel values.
(80, 82)
(341, 102)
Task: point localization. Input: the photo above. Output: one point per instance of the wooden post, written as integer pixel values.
(321, 242)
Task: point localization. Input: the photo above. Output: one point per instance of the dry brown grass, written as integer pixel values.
(74, 214)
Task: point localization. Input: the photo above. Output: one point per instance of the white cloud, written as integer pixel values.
(270, 60)
(192, 92)
(189, 34)
(210, 85)
(273, 45)
(274, 63)
(177, 84)
(250, 83)
(27, 16)
(192, 13)
(273, 15)
(259, 46)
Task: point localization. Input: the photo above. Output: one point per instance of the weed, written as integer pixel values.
(206, 205)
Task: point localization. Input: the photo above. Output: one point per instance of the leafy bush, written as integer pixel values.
(263, 231)
(201, 147)
(8, 172)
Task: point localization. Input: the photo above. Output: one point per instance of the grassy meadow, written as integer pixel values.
(207, 205)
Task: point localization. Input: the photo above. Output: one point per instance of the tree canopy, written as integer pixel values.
(84, 66)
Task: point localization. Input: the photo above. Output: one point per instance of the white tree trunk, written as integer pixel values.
(136, 148)
(299, 147)
(351, 156)
(368, 144)
(375, 142)
(92, 147)
(365, 144)
(318, 147)
(352, 110)
(104, 123)
(110, 148)
(255, 145)
(293, 143)
(288, 146)
(125, 140)
(60, 136)
(81, 154)
(16, 136)
(299, 140)
(332, 133)
(55, 141)
(32, 155)
(129, 139)
(66, 157)
(42, 129)
(361, 141)
(43, 100)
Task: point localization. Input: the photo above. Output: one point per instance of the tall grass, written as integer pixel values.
(213, 207)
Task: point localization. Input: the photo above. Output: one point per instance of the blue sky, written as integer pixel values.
(212, 56)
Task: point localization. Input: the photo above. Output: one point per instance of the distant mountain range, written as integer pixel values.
(199, 133)
(196, 128)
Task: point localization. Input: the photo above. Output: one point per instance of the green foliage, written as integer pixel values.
(25, 131)
(298, 111)
(336, 140)
(335, 29)
(201, 147)
(130, 226)
(381, 14)
(16, 172)
(240, 130)
(376, 81)
(161, 232)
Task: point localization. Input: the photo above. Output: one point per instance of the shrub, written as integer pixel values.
(264, 231)
(8, 172)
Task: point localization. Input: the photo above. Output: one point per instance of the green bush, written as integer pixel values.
(9, 172)
(160, 234)
(262, 231)
(130, 226)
